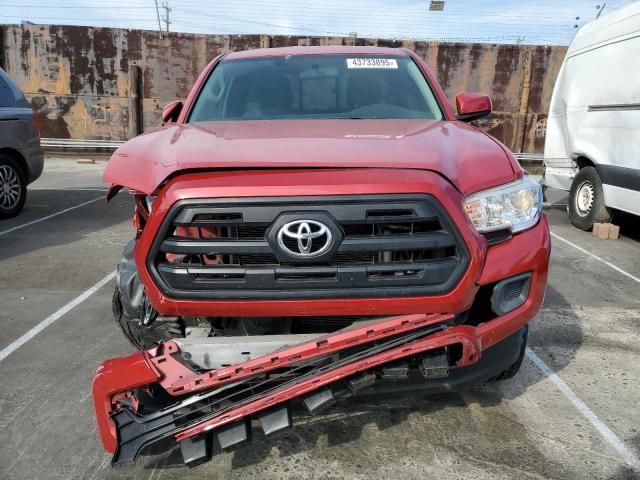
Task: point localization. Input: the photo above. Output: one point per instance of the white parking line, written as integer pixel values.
(8, 350)
(604, 431)
(611, 265)
(70, 189)
(38, 220)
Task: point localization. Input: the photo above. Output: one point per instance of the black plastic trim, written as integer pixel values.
(351, 281)
(272, 282)
(501, 305)
(613, 107)
(617, 176)
(470, 117)
(494, 361)
(354, 244)
(496, 237)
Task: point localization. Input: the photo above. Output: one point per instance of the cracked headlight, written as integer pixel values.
(515, 206)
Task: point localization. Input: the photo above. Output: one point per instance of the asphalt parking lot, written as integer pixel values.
(572, 411)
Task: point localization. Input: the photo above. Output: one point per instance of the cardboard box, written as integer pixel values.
(606, 231)
(596, 229)
(601, 230)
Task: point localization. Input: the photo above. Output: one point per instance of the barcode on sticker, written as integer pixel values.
(372, 63)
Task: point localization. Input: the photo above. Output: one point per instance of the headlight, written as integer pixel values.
(516, 206)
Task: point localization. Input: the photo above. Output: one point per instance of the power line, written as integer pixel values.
(454, 30)
(78, 7)
(194, 12)
(83, 19)
(457, 27)
(401, 18)
(420, 38)
(220, 24)
(372, 11)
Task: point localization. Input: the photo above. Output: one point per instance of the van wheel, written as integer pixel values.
(13, 187)
(586, 200)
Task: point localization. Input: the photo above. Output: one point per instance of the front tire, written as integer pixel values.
(586, 200)
(515, 368)
(13, 187)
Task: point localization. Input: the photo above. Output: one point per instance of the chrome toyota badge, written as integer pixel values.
(304, 238)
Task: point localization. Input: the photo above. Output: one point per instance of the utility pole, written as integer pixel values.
(159, 22)
(167, 10)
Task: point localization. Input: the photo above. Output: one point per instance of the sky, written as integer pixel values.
(547, 22)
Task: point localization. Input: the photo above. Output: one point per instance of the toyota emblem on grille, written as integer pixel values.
(305, 238)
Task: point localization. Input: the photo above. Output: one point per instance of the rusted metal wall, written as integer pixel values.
(90, 83)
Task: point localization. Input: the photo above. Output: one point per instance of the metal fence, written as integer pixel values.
(74, 144)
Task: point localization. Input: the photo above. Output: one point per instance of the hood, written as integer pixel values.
(467, 157)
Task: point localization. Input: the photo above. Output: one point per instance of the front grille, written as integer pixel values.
(385, 245)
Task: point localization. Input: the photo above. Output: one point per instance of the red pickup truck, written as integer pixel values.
(311, 224)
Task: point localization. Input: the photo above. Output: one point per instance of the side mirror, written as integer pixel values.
(472, 106)
(171, 112)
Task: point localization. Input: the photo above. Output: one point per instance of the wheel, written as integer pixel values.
(13, 187)
(586, 200)
(513, 369)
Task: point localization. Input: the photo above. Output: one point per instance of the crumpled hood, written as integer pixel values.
(468, 158)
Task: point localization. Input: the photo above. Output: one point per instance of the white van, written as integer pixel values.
(593, 131)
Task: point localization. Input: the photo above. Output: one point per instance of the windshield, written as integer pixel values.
(316, 86)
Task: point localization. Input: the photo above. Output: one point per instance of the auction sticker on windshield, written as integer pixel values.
(372, 63)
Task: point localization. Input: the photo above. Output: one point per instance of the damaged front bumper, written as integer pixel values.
(156, 396)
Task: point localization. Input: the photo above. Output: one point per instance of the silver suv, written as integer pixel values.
(21, 158)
